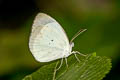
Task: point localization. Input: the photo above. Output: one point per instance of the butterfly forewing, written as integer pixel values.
(47, 40)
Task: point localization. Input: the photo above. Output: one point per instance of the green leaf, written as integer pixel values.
(90, 67)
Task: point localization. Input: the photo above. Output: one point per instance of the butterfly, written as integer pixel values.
(48, 40)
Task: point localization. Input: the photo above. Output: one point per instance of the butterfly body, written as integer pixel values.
(48, 40)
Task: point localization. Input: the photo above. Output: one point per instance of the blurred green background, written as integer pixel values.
(101, 18)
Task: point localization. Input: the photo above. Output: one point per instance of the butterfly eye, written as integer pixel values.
(72, 44)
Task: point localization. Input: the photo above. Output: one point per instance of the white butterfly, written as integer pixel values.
(48, 40)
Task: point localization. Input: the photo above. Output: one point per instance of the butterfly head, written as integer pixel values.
(71, 46)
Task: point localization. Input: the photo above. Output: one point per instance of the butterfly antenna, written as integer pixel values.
(77, 34)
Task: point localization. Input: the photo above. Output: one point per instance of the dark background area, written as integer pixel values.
(101, 18)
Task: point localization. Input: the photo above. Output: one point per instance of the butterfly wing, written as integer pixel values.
(48, 39)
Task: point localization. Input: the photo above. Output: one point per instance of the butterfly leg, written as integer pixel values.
(78, 53)
(66, 62)
(74, 52)
(76, 56)
(55, 70)
(60, 65)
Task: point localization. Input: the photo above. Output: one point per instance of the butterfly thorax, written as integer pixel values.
(68, 52)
